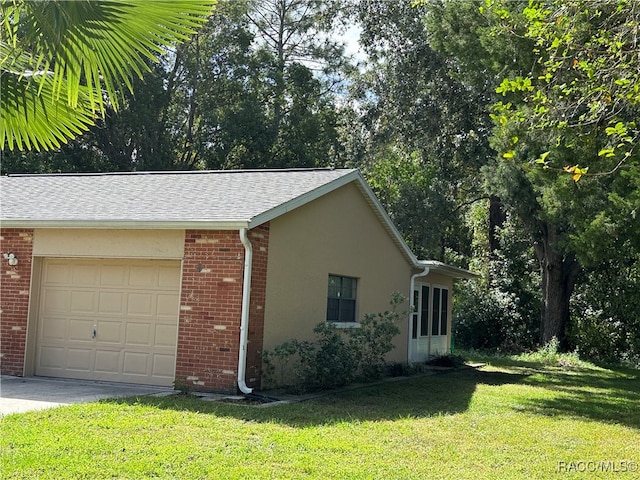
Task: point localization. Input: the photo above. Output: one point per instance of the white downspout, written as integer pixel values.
(244, 316)
(412, 307)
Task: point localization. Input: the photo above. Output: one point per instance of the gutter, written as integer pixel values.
(244, 316)
(412, 307)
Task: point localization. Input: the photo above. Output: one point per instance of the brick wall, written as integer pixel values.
(211, 306)
(15, 282)
(259, 238)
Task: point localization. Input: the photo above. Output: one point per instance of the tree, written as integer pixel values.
(239, 101)
(207, 104)
(296, 32)
(585, 85)
(62, 63)
(425, 135)
(552, 109)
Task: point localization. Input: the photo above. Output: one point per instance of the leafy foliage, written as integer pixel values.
(585, 83)
(63, 62)
(210, 103)
(606, 312)
(335, 358)
(425, 134)
(546, 126)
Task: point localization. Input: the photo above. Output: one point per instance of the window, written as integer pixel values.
(341, 299)
(439, 312)
(414, 314)
(424, 312)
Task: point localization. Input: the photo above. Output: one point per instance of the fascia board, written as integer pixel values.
(448, 270)
(303, 199)
(386, 220)
(126, 225)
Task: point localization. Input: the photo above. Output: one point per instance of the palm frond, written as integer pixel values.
(32, 117)
(79, 55)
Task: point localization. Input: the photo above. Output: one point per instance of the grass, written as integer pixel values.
(513, 418)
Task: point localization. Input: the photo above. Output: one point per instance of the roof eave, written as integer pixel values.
(386, 220)
(126, 224)
(448, 270)
(303, 199)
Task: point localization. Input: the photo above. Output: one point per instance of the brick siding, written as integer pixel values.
(15, 283)
(259, 238)
(211, 306)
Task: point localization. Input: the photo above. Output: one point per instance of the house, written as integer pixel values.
(152, 278)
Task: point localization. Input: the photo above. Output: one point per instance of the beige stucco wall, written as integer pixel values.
(165, 244)
(336, 234)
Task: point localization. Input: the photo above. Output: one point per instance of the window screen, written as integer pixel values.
(341, 299)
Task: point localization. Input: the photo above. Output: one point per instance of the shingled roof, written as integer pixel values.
(206, 199)
(210, 200)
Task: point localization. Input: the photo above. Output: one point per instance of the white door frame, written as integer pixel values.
(423, 344)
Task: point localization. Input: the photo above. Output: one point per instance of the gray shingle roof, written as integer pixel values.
(212, 199)
(226, 199)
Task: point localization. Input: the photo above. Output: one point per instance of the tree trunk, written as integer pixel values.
(497, 218)
(559, 276)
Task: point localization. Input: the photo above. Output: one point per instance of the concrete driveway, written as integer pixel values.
(19, 394)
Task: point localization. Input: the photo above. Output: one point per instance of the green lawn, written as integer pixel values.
(510, 419)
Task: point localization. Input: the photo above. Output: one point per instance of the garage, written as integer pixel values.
(108, 319)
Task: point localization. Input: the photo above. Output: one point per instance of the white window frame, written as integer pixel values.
(343, 324)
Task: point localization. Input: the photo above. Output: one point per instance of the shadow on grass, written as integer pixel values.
(606, 396)
(442, 394)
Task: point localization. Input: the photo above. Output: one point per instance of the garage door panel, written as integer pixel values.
(113, 275)
(111, 302)
(54, 357)
(79, 359)
(168, 278)
(107, 361)
(56, 300)
(164, 335)
(57, 272)
(138, 334)
(133, 305)
(140, 304)
(84, 274)
(136, 363)
(163, 366)
(54, 328)
(143, 277)
(109, 331)
(80, 330)
(167, 305)
(83, 301)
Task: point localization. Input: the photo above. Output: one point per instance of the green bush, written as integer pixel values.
(335, 358)
(492, 319)
(605, 322)
(374, 339)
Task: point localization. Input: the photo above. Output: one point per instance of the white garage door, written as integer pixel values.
(111, 320)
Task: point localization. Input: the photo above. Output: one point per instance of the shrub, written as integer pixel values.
(374, 339)
(488, 318)
(550, 354)
(335, 358)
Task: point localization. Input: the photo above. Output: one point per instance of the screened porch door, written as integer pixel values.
(429, 322)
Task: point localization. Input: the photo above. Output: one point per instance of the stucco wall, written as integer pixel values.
(108, 243)
(336, 234)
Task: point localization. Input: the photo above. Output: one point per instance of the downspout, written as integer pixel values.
(244, 316)
(412, 307)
